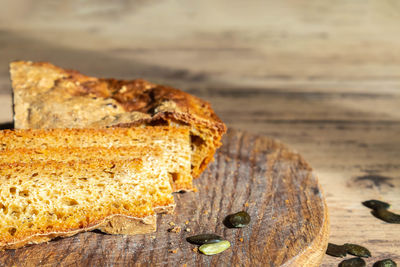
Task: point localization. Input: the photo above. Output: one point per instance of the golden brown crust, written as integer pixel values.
(114, 224)
(46, 96)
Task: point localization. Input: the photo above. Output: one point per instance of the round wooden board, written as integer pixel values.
(275, 186)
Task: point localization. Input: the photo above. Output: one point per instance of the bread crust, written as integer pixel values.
(46, 96)
(114, 224)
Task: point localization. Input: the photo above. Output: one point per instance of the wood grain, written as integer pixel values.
(275, 186)
(322, 77)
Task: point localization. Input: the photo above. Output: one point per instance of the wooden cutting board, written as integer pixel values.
(274, 185)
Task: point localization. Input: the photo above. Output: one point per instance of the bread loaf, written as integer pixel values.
(46, 96)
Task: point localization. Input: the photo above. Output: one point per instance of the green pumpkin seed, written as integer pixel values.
(386, 216)
(357, 250)
(354, 262)
(238, 220)
(214, 248)
(376, 204)
(336, 250)
(204, 239)
(385, 263)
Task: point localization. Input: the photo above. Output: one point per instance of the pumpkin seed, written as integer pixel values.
(238, 220)
(386, 216)
(357, 250)
(336, 250)
(376, 204)
(385, 263)
(204, 239)
(354, 262)
(214, 248)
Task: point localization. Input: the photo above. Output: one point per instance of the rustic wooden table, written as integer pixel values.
(323, 78)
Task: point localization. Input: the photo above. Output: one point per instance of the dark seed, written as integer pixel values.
(204, 239)
(354, 262)
(238, 220)
(376, 204)
(357, 250)
(336, 251)
(386, 216)
(385, 263)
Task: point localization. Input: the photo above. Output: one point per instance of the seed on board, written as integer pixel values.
(239, 219)
(336, 250)
(385, 263)
(354, 262)
(204, 239)
(376, 204)
(386, 216)
(214, 248)
(357, 250)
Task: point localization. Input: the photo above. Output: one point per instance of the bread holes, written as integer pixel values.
(30, 225)
(24, 193)
(83, 179)
(126, 206)
(174, 176)
(60, 215)
(12, 231)
(13, 190)
(196, 140)
(116, 205)
(35, 212)
(70, 202)
(3, 208)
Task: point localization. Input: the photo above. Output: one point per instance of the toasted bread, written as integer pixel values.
(43, 200)
(35, 162)
(46, 96)
(168, 147)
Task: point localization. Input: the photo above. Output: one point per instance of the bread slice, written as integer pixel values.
(46, 96)
(166, 146)
(43, 200)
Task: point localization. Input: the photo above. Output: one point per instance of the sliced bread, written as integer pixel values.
(43, 200)
(46, 96)
(165, 146)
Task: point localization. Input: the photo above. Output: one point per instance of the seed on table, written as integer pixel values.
(239, 219)
(214, 248)
(354, 262)
(336, 250)
(386, 216)
(376, 204)
(385, 263)
(357, 250)
(204, 239)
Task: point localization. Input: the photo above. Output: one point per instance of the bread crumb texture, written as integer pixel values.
(62, 181)
(46, 96)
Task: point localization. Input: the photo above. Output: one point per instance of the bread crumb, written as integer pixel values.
(153, 237)
(287, 201)
(184, 265)
(195, 189)
(187, 222)
(205, 212)
(174, 251)
(195, 249)
(241, 239)
(187, 230)
(246, 204)
(172, 223)
(175, 229)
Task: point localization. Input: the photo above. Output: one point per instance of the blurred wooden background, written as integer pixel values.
(321, 76)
